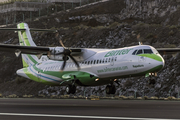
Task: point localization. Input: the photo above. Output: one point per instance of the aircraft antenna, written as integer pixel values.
(138, 38)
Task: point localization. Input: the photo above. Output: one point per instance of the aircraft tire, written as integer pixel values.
(68, 89)
(108, 89)
(73, 90)
(113, 89)
(152, 81)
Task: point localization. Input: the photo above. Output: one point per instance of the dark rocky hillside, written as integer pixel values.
(111, 24)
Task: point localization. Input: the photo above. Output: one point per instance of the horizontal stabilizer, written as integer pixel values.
(34, 50)
(43, 30)
(12, 29)
(16, 29)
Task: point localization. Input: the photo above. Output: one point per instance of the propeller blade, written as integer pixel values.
(64, 63)
(76, 63)
(60, 41)
(57, 35)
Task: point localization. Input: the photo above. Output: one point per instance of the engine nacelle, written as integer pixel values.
(54, 53)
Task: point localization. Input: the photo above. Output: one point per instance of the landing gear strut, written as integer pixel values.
(151, 80)
(70, 89)
(110, 89)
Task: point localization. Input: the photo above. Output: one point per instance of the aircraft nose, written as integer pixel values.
(160, 62)
(20, 72)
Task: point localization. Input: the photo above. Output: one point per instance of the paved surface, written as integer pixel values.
(65, 109)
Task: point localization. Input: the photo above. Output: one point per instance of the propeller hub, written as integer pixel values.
(67, 52)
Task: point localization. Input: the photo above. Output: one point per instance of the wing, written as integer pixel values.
(34, 50)
(168, 50)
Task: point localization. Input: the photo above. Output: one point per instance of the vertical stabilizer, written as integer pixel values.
(25, 39)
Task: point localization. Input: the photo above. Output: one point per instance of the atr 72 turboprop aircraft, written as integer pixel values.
(58, 65)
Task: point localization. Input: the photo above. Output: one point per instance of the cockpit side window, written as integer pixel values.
(148, 51)
(139, 52)
(134, 53)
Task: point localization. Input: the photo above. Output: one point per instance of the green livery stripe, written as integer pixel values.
(55, 73)
(32, 59)
(35, 78)
(24, 63)
(83, 77)
(31, 76)
(23, 33)
(24, 39)
(152, 56)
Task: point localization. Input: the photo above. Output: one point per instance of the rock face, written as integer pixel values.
(156, 21)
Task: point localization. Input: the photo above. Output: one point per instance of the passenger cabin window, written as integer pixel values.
(106, 60)
(91, 62)
(115, 59)
(94, 61)
(103, 61)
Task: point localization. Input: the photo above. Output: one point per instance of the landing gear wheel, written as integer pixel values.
(152, 81)
(73, 89)
(113, 89)
(70, 89)
(110, 89)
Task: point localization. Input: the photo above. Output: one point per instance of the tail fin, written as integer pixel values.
(25, 39)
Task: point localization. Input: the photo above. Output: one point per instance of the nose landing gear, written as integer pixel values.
(152, 80)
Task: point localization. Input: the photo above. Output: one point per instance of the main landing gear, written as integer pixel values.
(110, 89)
(70, 89)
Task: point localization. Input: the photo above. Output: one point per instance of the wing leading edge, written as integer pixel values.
(168, 50)
(33, 50)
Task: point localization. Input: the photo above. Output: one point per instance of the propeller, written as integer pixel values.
(67, 53)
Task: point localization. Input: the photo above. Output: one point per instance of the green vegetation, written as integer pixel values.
(114, 24)
(173, 27)
(20, 80)
(171, 33)
(150, 35)
(170, 46)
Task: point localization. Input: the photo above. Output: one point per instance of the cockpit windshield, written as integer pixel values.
(142, 51)
(155, 51)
